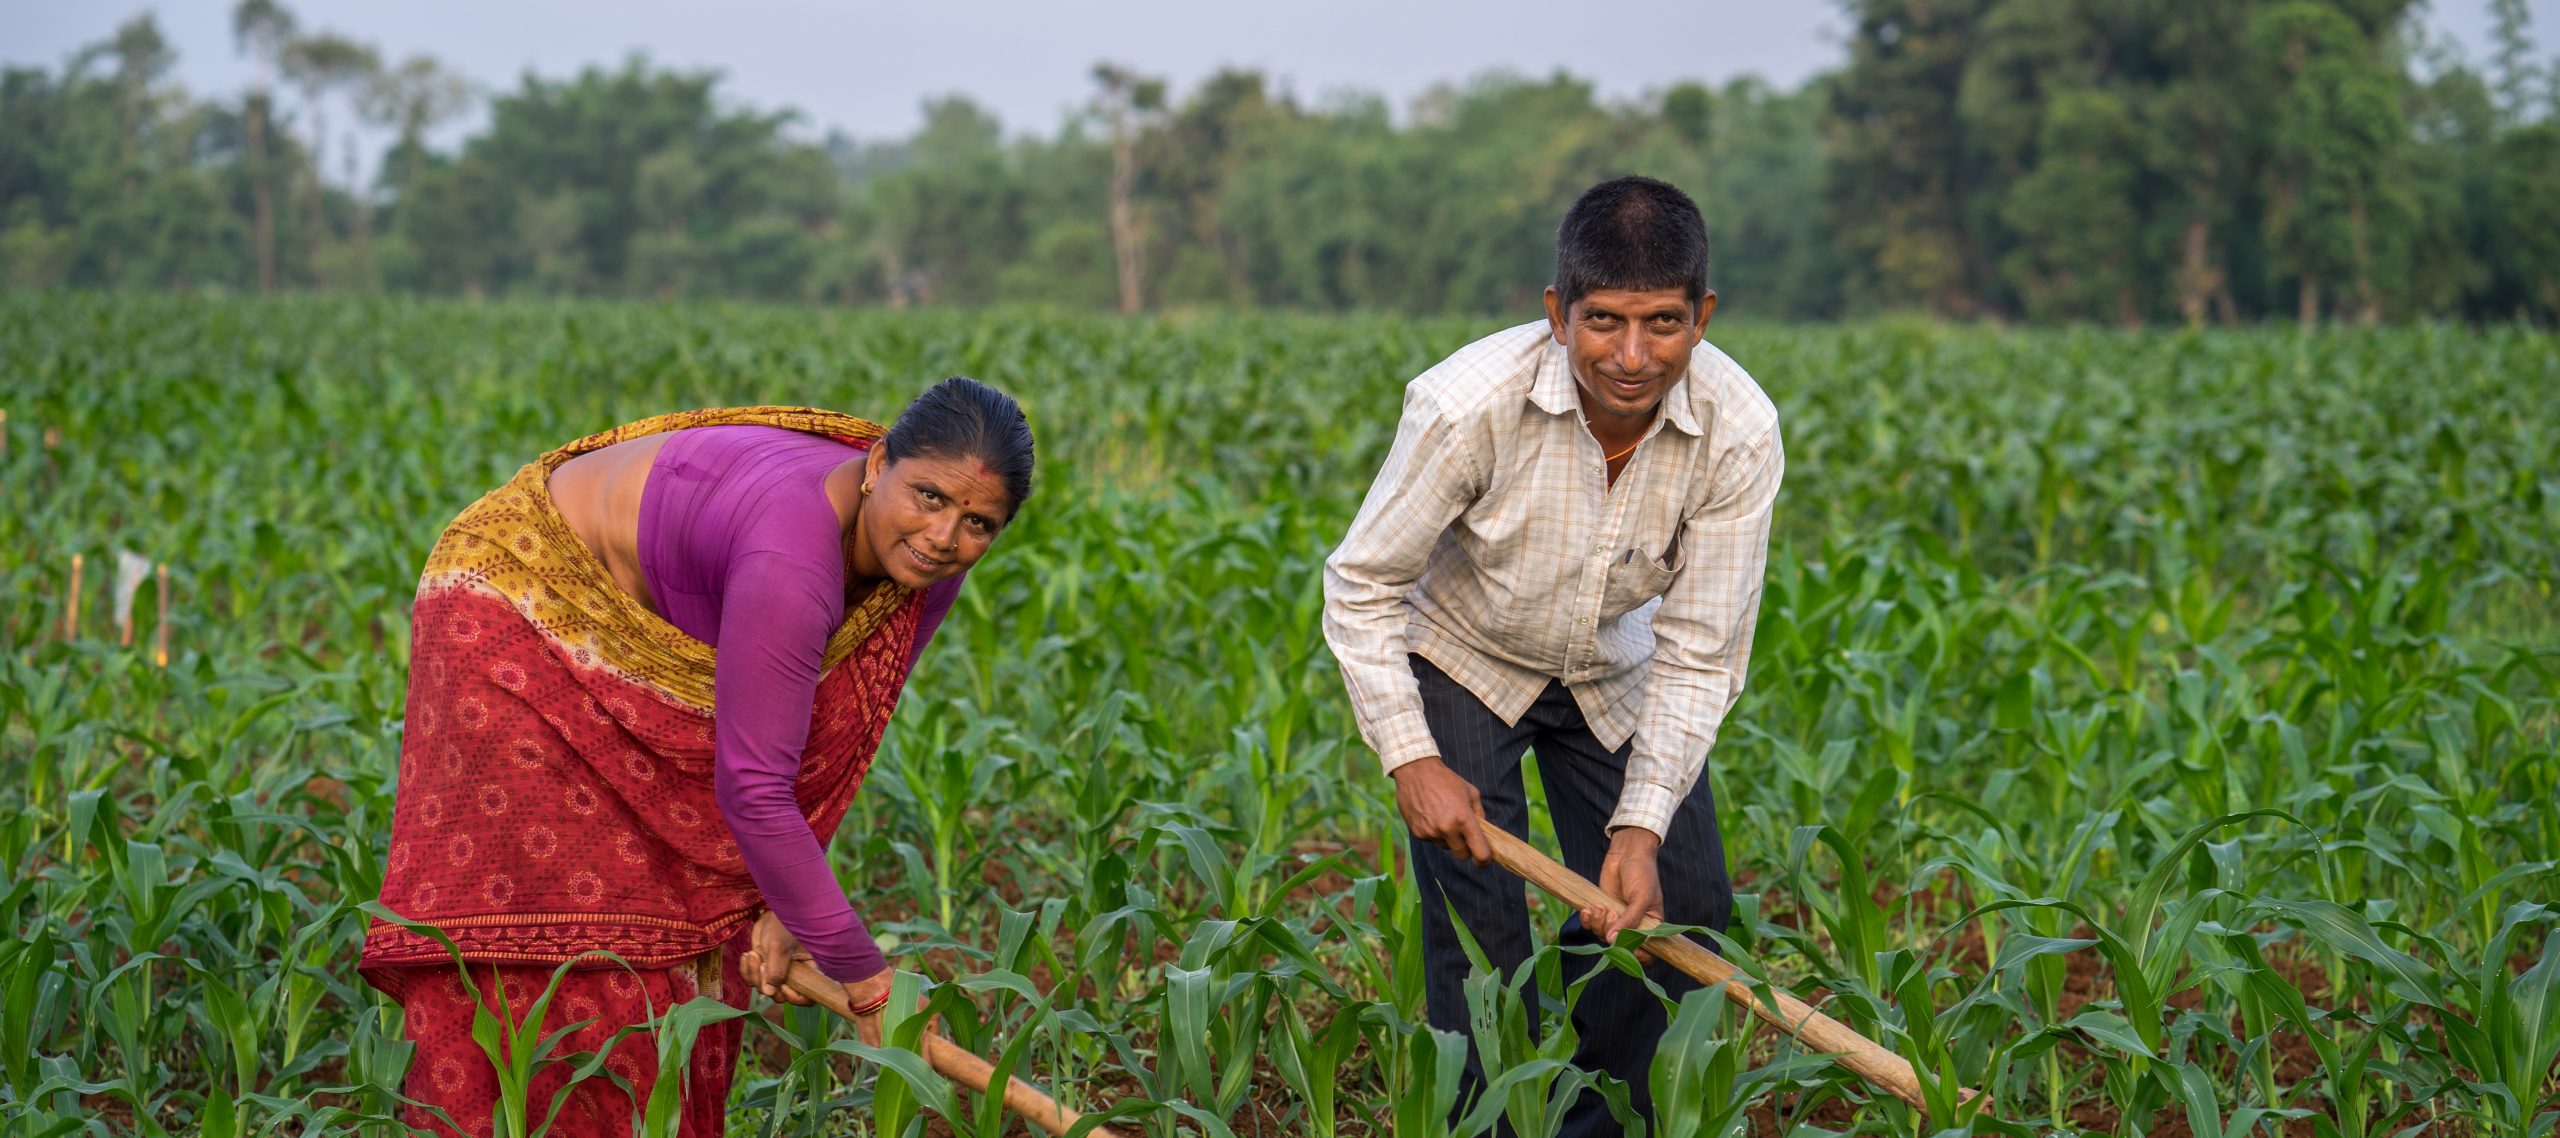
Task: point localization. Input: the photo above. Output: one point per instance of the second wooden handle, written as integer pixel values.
(1870, 1060)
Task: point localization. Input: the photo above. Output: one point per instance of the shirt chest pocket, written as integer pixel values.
(1649, 558)
(1635, 580)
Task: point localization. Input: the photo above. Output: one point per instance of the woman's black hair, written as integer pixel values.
(961, 418)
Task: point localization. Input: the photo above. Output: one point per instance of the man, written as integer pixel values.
(1564, 551)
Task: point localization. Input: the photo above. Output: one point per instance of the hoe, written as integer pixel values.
(949, 1061)
(1861, 1055)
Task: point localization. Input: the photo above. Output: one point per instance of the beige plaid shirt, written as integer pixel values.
(1493, 545)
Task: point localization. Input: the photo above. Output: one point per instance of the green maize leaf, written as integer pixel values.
(674, 1033)
(2111, 1029)
(222, 1118)
(233, 1020)
(2146, 898)
(2506, 879)
(2185, 916)
(1207, 857)
(24, 963)
(2140, 1007)
(1187, 1008)
(2536, 998)
(1312, 1062)
(1213, 1125)
(2204, 1106)
(2018, 949)
(1527, 1085)
(2349, 934)
(1129, 1109)
(1013, 935)
(1857, 924)
(2275, 992)
(1693, 1071)
(1437, 1060)
(911, 1070)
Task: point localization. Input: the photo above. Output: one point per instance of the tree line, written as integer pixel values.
(2110, 161)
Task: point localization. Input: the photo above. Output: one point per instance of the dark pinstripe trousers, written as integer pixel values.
(1618, 1023)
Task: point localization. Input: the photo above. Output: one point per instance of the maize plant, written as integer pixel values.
(2158, 732)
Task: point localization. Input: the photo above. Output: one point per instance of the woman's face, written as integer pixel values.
(928, 518)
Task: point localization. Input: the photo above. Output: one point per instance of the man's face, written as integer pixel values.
(1628, 346)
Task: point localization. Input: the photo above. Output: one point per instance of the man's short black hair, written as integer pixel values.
(1635, 233)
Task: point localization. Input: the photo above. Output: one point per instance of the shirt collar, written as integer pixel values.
(1553, 391)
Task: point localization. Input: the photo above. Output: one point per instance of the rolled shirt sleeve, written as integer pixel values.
(1430, 475)
(1702, 634)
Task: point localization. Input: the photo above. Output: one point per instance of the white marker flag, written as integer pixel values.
(131, 570)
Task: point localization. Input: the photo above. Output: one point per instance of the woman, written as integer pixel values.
(581, 772)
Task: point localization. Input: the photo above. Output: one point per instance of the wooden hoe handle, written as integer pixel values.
(1819, 1032)
(949, 1061)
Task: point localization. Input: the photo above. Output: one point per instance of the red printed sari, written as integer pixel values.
(555, 793)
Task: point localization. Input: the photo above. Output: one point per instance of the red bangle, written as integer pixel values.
(873, 1008)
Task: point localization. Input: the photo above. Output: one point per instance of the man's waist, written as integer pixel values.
(1508, 681)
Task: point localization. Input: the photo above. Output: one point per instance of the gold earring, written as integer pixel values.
(866, 489)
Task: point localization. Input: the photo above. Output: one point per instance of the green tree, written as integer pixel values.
(1311, 216)
(2074, 210)
(1900, 173)
(1127, 101)
(2114, 160)
(2512, 28)
(1759, 178)
(2337, 203)
(1188, 165)
(262, 28)
(1689, 109)
(627, 181)
(2454, 128)
(944, 223)
(413, 98)
(2525, 203)
(2202, 146)
(327, 67)
(108, 176)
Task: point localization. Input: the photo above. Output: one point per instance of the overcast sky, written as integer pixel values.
(865, 68)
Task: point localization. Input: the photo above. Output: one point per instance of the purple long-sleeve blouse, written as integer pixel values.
(742, 551)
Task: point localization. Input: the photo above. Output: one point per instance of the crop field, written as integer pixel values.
(2158, 731)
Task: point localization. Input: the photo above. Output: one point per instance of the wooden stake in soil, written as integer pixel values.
(1817, 1031)
(160, 632)
(71, 611)
(949, 1061)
